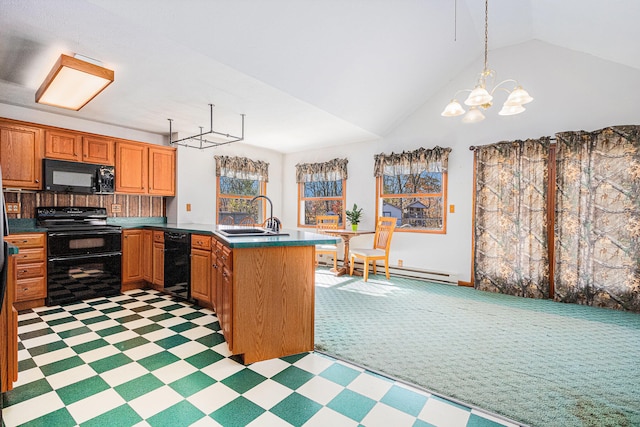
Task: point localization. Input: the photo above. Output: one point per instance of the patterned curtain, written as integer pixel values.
(242, 168)
(333, 170)
(511, 248)
(598, 218)
(412, 162)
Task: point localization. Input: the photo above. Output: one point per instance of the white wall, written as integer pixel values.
(68, 122)
(196, 181)
(572, 91)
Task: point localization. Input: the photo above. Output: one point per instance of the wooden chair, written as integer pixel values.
(380, 250)
(227, 220)
(248, 221)
(327, 222)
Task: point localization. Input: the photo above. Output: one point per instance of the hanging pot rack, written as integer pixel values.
(199, 139)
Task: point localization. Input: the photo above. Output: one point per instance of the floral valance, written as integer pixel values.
(412, 162)
(333, 170)
(242, 168)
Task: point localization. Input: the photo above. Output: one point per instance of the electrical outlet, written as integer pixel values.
(116, 208)
(452, 208)
(400, 263)
(13, 208)
(188, 207)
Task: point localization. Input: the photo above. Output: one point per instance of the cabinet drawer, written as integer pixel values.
(225, 257)
(30, 289)
(28, 256)
(200, 242)
(158, 236)
(32, 240)
(26, 271)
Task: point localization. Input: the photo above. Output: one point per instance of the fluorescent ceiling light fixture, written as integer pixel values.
(482, 95)
(73, 82)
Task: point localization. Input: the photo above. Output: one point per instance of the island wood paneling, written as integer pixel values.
(273, 300)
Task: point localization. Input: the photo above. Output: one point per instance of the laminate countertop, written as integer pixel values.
(287, 237)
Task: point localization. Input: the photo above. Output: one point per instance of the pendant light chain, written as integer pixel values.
(486, 33)
(481, 96)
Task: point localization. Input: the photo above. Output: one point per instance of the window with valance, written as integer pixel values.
(239, 180)
(412, 187)
(321, 190)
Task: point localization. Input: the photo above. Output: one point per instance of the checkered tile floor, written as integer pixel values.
(145, 359)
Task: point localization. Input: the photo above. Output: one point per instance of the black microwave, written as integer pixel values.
(74, 177)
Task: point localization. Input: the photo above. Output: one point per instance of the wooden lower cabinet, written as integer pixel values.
(9, 330)
(267, 295)
(157, 278)
(147, 255)
(201, 269)
(31, 269)
(132, 259)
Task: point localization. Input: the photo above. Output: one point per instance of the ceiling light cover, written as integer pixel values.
(473, 116)
(72, 83)
(453, 109)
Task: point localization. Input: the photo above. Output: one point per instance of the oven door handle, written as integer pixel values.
(85, 256)
(82, 233)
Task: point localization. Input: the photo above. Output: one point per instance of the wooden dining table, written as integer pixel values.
(347, 235)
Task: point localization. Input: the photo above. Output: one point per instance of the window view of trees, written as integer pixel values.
(416, 200)
(234, 200)
(321, 198)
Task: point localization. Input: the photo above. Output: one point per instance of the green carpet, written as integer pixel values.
(538, 362)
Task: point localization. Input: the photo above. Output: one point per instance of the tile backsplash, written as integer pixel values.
(118, 205)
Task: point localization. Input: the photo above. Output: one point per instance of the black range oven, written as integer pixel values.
(84, 254)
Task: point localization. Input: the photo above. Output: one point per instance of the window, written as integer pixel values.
(412, 187)
(240, 180)
(321, 190)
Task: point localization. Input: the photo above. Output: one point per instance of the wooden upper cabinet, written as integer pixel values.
(162, 171)
(132, 164)
(21, 156)
(76, 147)
(98, 150)
(63, 145)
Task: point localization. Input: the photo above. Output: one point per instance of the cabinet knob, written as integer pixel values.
(37, 181)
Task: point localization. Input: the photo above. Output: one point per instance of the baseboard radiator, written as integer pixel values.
(445, 277)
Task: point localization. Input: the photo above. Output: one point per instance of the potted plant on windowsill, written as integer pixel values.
(354, 216)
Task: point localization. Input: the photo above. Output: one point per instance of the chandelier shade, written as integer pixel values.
(482, 95)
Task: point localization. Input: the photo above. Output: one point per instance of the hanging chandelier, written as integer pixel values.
(481, 96)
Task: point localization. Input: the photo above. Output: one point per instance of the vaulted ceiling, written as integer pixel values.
(306, 73)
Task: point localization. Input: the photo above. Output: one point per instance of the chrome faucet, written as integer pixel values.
(272, 224)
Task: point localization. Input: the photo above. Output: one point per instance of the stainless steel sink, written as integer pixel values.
(249, 232)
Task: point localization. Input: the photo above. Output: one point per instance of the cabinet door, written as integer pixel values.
(147, 255)
(98, 150)
(62, 145)
(200, 275)
(21, 156)
(214, 276)
(227, 307)
(131, 167)
(162, 171)
(158, 265)
(132, 266)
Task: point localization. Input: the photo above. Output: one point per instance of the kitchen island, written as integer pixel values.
(262, 289)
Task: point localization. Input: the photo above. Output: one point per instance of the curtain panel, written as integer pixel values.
(412, 162)
(598, 218)
(242, 168)
(510, 244)
(333, 170)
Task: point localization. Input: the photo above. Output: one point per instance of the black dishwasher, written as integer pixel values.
(177, 264)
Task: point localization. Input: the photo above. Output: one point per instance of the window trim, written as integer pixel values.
(445, 180)
(219, 196)
(302, 199)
